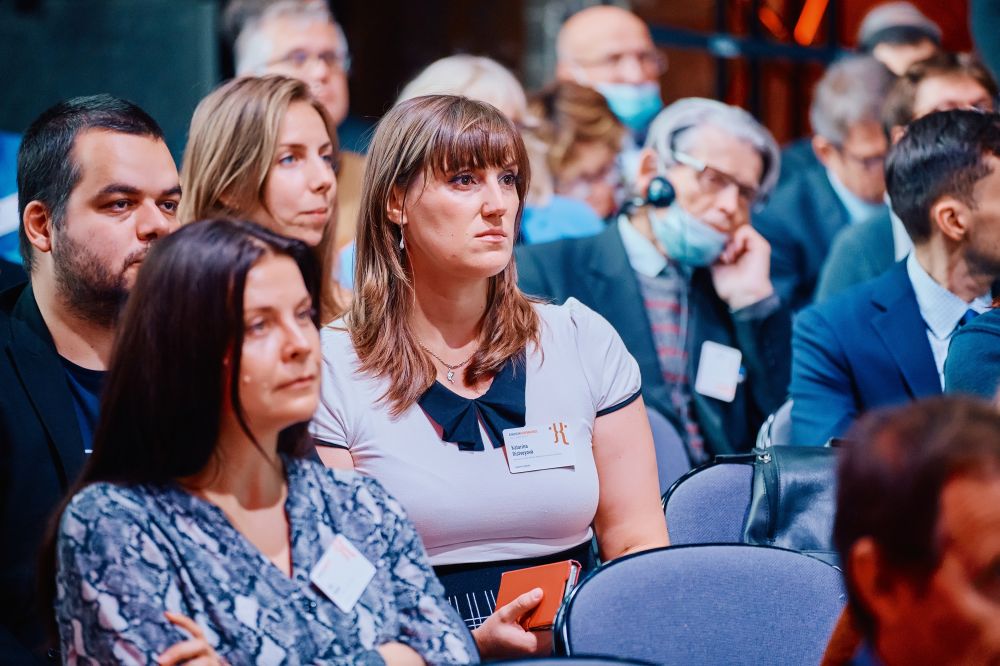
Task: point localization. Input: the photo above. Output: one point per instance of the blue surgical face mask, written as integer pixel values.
(686, 239)
(635, 104)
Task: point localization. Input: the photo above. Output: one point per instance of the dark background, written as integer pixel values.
(166, 54)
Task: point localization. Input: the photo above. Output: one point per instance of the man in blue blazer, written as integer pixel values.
(687, 286)
(809, 208)
(885, 342)
(97, 186)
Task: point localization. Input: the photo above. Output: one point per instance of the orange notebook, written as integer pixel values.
(556, 580)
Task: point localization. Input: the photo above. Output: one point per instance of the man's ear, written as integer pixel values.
(394, 207)
(824, 149)
(875, 583)
(951, 217)
(897, 133)
(37, 222)
(648, 168)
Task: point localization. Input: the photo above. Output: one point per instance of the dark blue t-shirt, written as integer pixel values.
(85, 386)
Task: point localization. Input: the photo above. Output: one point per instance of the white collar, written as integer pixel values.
(642, 254)
(941, 309)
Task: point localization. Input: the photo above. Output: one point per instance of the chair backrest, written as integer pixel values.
(710, 504)
(776, 430)
(672, 460)
(707, 604)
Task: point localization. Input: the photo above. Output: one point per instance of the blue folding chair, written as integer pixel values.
(672, 460)
(709, 504)
(706, 604)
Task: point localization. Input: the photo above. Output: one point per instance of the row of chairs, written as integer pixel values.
(708, 598)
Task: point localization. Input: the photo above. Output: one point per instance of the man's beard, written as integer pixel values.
(88, 287)
(982, 262)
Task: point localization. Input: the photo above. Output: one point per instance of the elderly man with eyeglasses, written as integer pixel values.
(685, 279)
(301, 39)
(843, 187)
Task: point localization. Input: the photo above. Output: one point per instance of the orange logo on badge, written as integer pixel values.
(559, 431)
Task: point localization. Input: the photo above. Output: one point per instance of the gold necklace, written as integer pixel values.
(451, 368)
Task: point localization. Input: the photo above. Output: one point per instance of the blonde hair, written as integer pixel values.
(231, 145)
(433, 136)
(474, 77)
(569, 115)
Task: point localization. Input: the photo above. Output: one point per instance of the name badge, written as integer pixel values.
(343, 573)
(534, 448)
(718, 371)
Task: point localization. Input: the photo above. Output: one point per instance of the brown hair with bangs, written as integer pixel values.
(433, 135)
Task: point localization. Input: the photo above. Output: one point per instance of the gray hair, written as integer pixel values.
(851, 91)
(673, 131)
(244, 19)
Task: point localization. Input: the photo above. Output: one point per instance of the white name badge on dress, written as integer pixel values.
(343, 573)
(534, 448)
(718, 371)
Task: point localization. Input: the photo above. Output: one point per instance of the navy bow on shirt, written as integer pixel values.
(501, 407)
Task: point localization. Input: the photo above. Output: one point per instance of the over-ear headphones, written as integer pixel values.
(659, 194)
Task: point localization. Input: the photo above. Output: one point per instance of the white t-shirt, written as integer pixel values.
(467, 505)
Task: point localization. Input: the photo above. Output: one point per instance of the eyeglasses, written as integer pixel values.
(870, 163)
(300, 58)
(651, 62)
(581, 186)
(712, 181)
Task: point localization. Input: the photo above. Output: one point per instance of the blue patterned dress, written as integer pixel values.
(126, 554)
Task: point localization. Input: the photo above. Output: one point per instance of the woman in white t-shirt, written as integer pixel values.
(441, 357)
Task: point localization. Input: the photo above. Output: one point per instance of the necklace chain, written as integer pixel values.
(451, 368)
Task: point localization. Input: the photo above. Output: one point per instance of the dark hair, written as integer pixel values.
(177, 352)
(940, 154)
(46, 171)
(898, 108)
(891, 477)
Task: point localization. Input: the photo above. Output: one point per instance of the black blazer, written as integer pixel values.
(596, 271)
(800, 222)
(41, 453)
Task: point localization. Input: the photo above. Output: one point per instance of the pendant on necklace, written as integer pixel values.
(451, 376)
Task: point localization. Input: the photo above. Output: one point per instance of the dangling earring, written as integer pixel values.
(402, 245)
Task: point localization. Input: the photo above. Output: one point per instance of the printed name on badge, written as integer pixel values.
(343, 573)
(718, 371)
(534, 448)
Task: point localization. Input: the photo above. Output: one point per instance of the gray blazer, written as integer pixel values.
(859, 253)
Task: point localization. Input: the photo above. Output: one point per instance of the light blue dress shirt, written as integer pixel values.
(940, 309)
(858, 210)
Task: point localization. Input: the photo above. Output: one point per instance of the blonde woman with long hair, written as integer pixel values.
(442, 370)
(264, 149)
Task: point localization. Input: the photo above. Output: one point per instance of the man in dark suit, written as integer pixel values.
(809, 208)
(885, 342)
(945, 81)
(688, 286)
(97, 185)
(10, 274)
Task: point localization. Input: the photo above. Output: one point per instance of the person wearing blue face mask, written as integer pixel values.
(685, 279)
(610, 49)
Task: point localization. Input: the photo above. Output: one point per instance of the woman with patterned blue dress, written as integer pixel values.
(199, 532)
